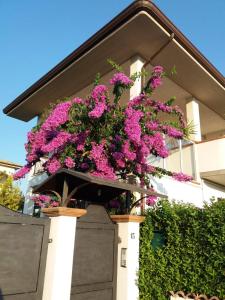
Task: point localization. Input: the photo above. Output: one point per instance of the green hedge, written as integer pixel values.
(182, 248)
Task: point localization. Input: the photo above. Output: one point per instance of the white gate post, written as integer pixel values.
(128, 256)
(59, 264)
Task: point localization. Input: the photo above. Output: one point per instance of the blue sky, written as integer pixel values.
(36, 35)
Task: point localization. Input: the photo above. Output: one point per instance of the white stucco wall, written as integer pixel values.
(211, 155)
(127, 288)
(8, 170)
(59, 264)
(190, 192)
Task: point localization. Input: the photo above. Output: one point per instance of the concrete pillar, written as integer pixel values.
(59, 264)
(128, 256)
(192, 109)
(136, 66)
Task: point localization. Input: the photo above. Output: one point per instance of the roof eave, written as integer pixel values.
(123, 17)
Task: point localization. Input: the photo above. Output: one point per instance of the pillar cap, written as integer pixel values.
(127, 218)
(64, 211)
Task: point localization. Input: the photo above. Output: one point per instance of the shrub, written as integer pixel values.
(10, 195)
(190, 254)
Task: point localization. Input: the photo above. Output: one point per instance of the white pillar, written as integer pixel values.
(128, 256)
(59, 264)
(136, 66)
(192, 109)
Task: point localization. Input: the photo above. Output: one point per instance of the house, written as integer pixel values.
(142, 36)
(8, 167)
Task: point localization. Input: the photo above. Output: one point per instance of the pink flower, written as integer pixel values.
(53, 165)
(60, 140)
(98, 111)
(130, 155)
(44, 198)
(158, 145)
(97, 151)
(158, 70)
(119, 158)
(173, 132)
(142, 152)
(151, 200)
(122, 79)
(99, 96)
(99, 93)
(155, 82)
(152, 125)
(103, 167)
(181, 177)
(163, 107)
(77, 100)
(69, 162)
(44, 201)
(58, 116)
(132, 127)
(138, 168)
(54, 203)
(21, 172)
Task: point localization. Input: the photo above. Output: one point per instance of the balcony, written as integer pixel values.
(204, 159)
(182, 158)
(211, 160)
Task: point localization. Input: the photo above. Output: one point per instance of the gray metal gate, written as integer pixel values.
(23, 251)
(95, 256)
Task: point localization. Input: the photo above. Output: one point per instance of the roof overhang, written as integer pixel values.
(82, 185)
(8, 164)
(217, 177)
(140, 29)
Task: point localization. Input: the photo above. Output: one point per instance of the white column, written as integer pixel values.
(136, 66)
(192, 109)
(128, 264)
(59, 264)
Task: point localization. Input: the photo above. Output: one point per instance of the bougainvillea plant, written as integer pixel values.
(110, 140)
(45, 200)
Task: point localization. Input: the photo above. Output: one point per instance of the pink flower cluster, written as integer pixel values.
(158, 145)
(21, 172)
(173, 132)
(44, 201)
(103, 168)
(60, 140)
(103, 137)
(53, 165)
(58, 116)
(181, 177)
(158, 70)
(98, 96)
(69, 162)
(156, 79)
(121, 79)
(151, 200)
(132, 127)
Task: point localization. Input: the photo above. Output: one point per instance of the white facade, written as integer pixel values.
(8, 167)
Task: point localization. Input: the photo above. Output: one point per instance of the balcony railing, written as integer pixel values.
(182, 158)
